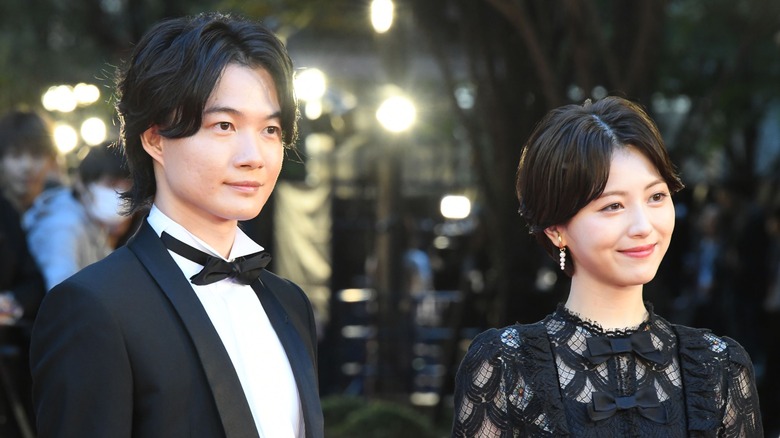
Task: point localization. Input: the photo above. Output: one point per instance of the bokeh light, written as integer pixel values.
(93, 131)
(396, 114)
(310, 84)
(65, 137)
(455, 207)
(382, 15)
(86, 94)
(59, 98)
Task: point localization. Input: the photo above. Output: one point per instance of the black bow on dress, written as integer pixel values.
(645, 401)
(243, 269)
(600, 348)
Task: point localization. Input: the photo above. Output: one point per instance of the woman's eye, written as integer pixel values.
(273, 130)
(612, 207)
(224, 126)
(658, 197)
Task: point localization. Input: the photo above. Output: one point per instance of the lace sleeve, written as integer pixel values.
(480, 403)
(742, 417)
(720, 388)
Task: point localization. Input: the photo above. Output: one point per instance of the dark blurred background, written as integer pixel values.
(402, 224)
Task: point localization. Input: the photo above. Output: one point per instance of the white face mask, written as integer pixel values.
(103, 204)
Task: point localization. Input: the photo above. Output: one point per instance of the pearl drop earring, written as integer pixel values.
(563, 252)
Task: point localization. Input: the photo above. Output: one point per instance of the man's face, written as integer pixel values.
(227, 170)
(24, 175)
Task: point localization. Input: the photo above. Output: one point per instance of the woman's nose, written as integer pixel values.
(640, 221)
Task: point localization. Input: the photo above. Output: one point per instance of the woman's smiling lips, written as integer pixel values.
(245, 186)
(639, 251)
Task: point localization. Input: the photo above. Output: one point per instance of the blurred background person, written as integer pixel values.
(28, 157)
(69, 228)
(21, 291)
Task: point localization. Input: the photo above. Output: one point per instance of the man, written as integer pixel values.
(143, 343)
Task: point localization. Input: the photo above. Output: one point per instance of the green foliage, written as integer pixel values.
(353, 417)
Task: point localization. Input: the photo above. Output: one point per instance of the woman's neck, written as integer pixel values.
(612, 309)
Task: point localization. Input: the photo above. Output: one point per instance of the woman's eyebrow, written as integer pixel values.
(622, 192)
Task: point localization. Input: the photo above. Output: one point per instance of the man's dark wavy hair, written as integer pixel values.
(173, 71)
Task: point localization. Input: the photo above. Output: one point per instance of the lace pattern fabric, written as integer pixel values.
(544, 380)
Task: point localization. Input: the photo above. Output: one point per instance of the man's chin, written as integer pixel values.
(247, 216)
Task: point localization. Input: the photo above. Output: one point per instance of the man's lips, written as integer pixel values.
(639, 251)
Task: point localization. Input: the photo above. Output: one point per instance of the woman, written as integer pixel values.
(595, 185)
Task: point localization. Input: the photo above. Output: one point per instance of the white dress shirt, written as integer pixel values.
(241, 322)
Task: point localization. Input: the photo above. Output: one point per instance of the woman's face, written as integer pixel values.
(619, 239)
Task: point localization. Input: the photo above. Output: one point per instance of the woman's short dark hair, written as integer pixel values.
(173, 71)
(566, 162)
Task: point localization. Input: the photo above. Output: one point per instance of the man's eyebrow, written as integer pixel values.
(220, 109)
(231, 110)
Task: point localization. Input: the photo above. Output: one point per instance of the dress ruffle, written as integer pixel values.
(703, 386)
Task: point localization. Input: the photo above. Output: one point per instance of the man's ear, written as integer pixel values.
(553, 233)
(152, 142)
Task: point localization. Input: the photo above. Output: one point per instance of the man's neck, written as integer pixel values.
(219, 235)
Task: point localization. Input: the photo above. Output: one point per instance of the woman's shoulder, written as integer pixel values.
(718, 377)
(512, 364)
(511, 336)
(701, 344)
(517, 341)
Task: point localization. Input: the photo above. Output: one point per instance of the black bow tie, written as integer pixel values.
(243, 269)
(645, 401)
(600, 348)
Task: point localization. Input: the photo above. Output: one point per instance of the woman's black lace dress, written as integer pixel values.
(567, 377)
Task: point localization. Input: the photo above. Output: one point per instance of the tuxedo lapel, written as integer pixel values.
(300, 358)
(229, 396)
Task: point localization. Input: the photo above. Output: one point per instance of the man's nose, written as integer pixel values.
(251, 150)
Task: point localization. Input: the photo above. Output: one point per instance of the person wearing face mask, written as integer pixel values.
(69, 228)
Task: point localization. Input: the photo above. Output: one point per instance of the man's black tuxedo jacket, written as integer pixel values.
(125, 349)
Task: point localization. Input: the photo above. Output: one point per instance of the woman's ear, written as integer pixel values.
(152, 142)
(555, 236)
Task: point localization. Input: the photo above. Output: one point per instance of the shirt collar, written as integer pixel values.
(160, 222)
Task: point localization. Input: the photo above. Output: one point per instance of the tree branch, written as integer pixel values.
(517, 15)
